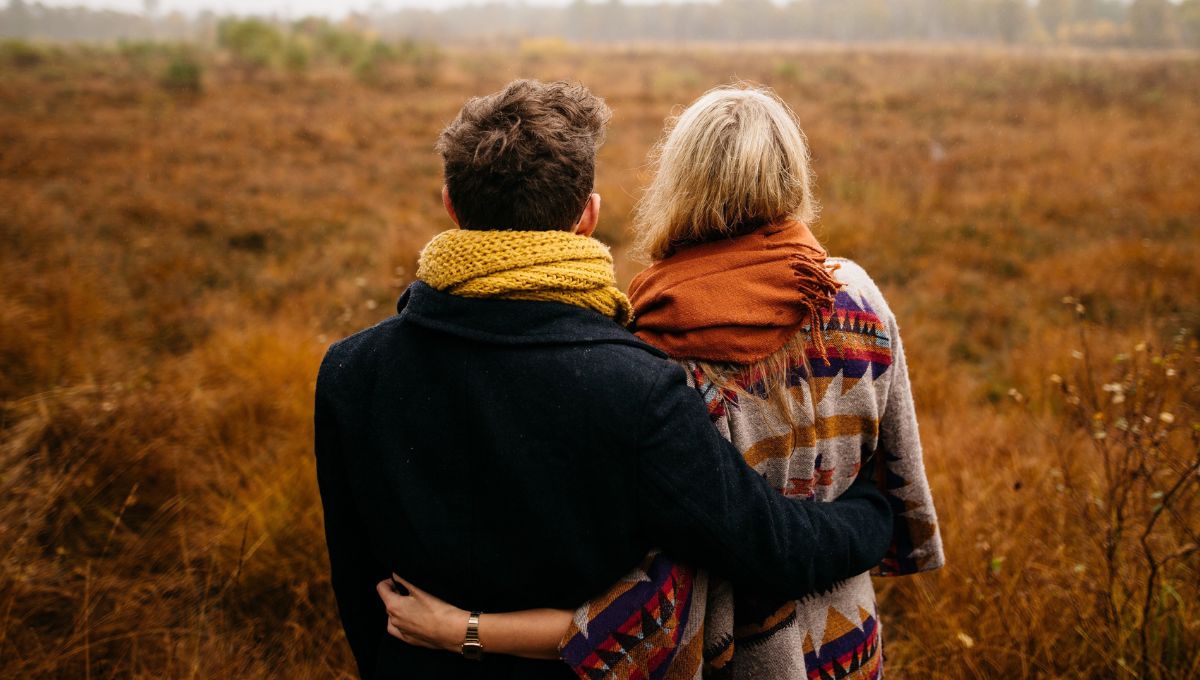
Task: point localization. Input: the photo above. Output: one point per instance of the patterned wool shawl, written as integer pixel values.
(667, 620)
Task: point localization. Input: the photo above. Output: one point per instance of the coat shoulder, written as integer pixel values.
(859, 289)
(351, 350)
(631, 363)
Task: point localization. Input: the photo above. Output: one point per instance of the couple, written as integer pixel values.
(603, 486)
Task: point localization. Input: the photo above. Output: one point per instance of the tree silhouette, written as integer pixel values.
(1189, 22)
(1150, 21)
(1054, 14)
(17, 19)
(1144, 23)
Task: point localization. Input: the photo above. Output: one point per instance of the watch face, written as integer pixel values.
(472, 650)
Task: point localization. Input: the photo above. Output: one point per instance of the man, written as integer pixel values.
(505, 443)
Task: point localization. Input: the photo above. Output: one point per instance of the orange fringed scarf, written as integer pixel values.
(737, 300)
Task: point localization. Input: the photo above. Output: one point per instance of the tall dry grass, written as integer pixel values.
(173, 262)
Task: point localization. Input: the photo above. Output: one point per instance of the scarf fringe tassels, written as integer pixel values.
(816, 284)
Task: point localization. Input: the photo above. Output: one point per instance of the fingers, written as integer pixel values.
(406, 612)
(412, 590)
(389, 596)
(413, 616)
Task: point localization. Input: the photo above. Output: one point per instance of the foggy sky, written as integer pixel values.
(283, 8)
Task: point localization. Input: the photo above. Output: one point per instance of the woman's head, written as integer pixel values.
(733, 161)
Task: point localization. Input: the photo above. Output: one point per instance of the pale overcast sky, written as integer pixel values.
(287, 8)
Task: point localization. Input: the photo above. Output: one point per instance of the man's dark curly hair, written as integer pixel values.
(524, 158)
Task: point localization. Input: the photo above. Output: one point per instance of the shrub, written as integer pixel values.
(539, 49)
(786, 71)
(296, 55)
(140, 54)
(424, 58)
(329, 43)
(1136, 496)
(1098, 33)
(369, 67)
(345, 47)
(183, 74)
(21, 54)
(254, 43)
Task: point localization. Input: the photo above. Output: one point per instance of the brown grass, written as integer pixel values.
(173, 266)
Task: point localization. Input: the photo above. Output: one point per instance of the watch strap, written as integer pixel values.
(472, 648)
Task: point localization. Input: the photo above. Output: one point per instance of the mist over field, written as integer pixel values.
(189, 221)
(1142, 24)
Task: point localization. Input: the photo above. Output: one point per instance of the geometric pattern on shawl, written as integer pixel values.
(832, 635)
(640, 628)
(853, 654)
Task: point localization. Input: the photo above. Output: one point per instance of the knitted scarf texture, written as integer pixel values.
(547, 266)
(737, 300)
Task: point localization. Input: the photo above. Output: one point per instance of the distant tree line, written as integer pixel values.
(1101, 23)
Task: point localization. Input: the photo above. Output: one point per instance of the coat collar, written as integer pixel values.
(511, 322)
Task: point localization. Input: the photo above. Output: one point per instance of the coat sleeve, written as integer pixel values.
(916, 543)
(354, 570)
(704, 505)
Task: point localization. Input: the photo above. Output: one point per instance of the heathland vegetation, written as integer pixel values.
(185, 228)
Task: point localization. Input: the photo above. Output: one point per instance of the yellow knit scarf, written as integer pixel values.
(550, 266)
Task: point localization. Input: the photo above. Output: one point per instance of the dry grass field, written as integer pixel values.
(173, 265)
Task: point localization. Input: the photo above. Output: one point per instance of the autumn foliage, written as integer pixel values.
(182, 234)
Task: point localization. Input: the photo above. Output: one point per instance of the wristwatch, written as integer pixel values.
(472, 648)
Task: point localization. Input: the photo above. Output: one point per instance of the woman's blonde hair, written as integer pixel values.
(733, 161)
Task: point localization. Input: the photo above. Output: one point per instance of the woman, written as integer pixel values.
(737, 284)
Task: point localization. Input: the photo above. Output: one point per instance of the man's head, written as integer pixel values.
(524, 158)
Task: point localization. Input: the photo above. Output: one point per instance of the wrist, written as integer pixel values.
(472, 647)
(454, 629)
